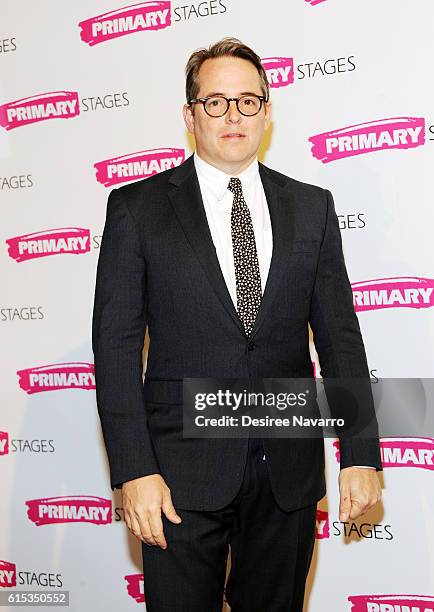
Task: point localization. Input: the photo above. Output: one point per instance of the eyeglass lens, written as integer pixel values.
(247, 105)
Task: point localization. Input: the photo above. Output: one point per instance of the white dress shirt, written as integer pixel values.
(217, 200)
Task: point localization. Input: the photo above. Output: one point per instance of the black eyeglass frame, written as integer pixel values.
(228, 101)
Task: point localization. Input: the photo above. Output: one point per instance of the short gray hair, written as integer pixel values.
(226, 47)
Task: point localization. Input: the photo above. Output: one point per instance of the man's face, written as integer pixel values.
(230, 142)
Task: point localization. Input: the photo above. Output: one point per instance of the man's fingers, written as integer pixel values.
(138, 527)
(353, 505)
(344, 504)
(360, 505)
(359, 492)
(169, 509)
(145, 529)
(143, 500)
(156, 525)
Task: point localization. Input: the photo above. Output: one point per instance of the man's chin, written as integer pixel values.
(235, 155)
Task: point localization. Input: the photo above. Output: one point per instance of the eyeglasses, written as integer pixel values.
(217, 106)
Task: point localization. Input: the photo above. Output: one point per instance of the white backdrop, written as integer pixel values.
(352, 111)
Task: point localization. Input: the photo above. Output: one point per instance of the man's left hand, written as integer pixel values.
(359, 490)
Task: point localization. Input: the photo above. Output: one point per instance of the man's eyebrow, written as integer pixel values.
(213, 93)
(243, 93)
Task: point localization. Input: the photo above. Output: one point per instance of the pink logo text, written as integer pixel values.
(142, 164)
(393, 133)
(52, 105)
(404, 452)
(72, 240)
(280, 70)
(391, 603)
(398, 292)
(66, 509)
(75, 375)
(126, 20)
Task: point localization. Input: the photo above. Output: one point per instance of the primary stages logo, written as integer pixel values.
(72, 240)
(51, 105)
(24, 445)
(398, 292)
(392, 133)
(125, 20)
(10, 577)
(144, 17)
(404, 452)
(391, 603)
(371, 531)
(70, 509)
(282, 72)
(139, 165)
(73, 375)
(279, 70)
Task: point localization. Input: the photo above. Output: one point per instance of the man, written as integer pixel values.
(226, 261)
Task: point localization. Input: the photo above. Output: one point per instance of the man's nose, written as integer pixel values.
(233, 113)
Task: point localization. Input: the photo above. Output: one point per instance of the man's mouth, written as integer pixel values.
(233, 135)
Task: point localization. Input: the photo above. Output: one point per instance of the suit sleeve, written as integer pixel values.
(118, 332)
(338, 340)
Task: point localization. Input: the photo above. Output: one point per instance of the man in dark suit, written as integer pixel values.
(226, 261)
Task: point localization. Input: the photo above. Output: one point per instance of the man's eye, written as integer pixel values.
(215, 102)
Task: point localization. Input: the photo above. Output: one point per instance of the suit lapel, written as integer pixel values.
(187, 202)
(280, 208)
(186, 199)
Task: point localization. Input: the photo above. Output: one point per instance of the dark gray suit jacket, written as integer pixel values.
(158, 267)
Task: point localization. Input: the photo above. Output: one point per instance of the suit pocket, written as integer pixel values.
(163, 391)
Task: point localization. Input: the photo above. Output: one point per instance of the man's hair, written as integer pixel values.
(226, 47)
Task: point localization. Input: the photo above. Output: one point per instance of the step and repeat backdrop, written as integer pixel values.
(90, 98)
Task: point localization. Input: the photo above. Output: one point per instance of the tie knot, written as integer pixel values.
(235, 185)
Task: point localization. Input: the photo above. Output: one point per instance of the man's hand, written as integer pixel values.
(143, 499)
(359, 490)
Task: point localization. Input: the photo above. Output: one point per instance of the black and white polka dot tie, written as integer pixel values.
(248, 279)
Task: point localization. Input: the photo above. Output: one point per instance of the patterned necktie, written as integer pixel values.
(248, 279)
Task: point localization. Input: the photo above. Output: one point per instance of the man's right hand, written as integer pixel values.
(143, 500)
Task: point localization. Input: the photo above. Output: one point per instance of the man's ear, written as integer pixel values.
(187, 112)
(268, 106)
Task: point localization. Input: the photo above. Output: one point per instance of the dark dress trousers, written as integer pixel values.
(271, 551)
(158, 268)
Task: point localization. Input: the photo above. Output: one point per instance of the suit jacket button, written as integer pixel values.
(251, 345)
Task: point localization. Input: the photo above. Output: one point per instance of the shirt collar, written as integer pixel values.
(217, 180)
